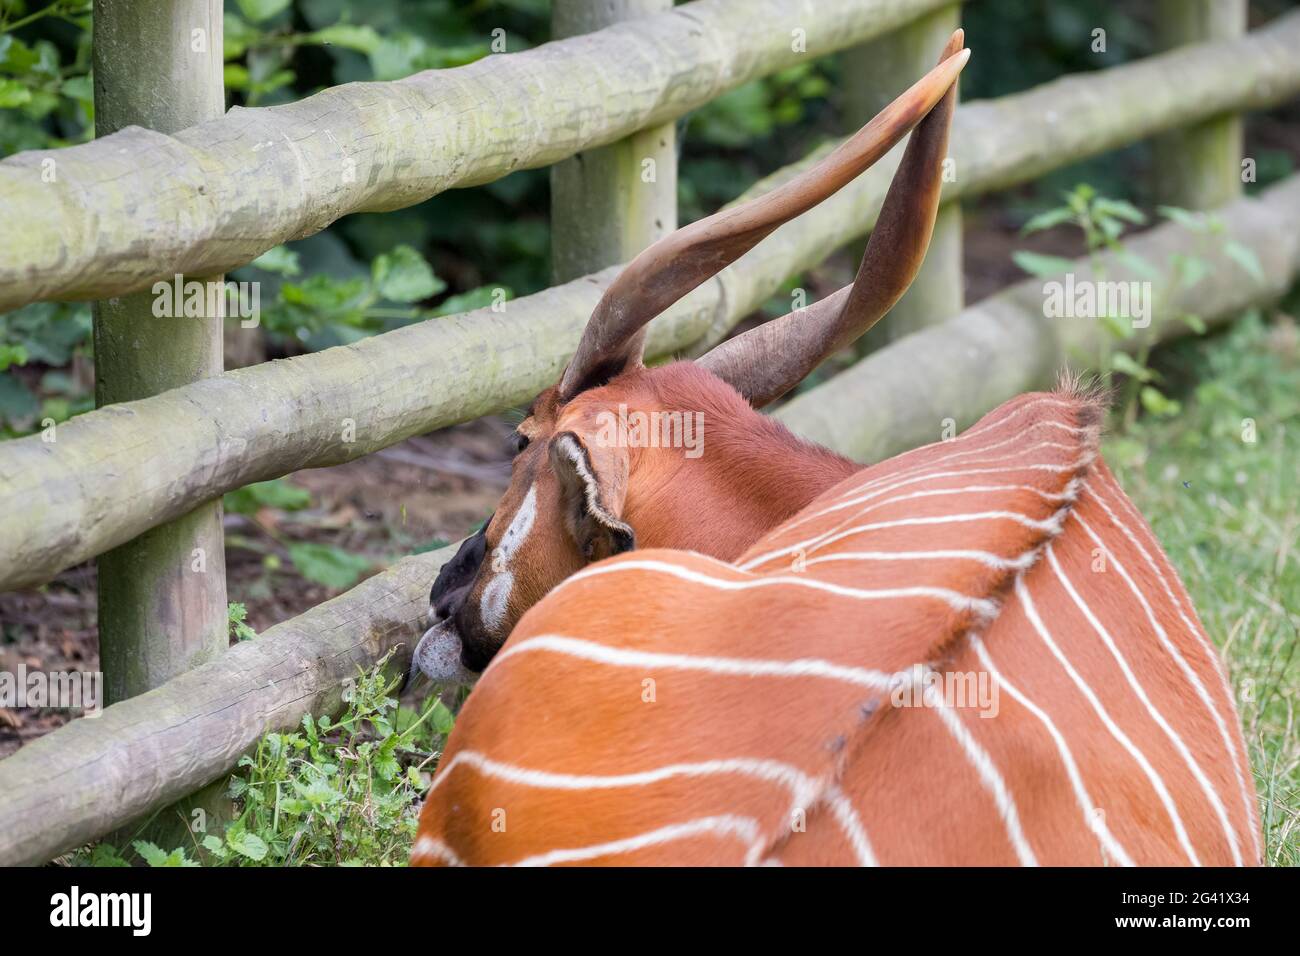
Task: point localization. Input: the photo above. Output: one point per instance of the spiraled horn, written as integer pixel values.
(615, 335)
(766, 362)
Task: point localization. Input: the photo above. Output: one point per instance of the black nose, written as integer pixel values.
(456, 577)
(449, 603)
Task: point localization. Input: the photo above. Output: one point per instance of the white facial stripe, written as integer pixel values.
(496, 595)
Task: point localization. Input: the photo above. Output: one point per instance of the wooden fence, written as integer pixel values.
(256, 177)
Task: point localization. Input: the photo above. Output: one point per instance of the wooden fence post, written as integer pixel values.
(608, 204)
(162, 596)
(873, 74)
(1199, 167)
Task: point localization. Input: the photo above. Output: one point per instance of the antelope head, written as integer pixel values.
(575, 496)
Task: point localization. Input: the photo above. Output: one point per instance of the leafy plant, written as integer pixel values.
(43, 333)
(276, 493)
(327, 565)
(45, 100)
(237, 615)
(1102, 222)
(337, 792)
(325, 309)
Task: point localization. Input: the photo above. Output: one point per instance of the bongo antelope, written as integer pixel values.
(749, 656)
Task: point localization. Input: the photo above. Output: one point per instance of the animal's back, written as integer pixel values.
(974, 653)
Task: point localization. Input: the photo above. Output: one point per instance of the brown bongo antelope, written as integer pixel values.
(791, 682)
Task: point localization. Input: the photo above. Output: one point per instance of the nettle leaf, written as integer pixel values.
(247, 844)
(327, 565)
(177, 857)
(151, 853)
(259, 11)
(443, 719)
(236, 616)
(403, 275)
(1037, 264)
(318, 794)
(213, 845)
(387, 767)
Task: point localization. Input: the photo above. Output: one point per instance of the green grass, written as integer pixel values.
(1227, 511)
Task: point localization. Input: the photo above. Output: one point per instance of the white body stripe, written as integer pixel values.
(725, 825)
(734, 666)
(961, 602)
(834, 533)
(1210, 793)
(1095, 821)
(1193, 628)
(878, 486)
(1022, 593)
(1051, 525)
(979, 758)
(804, 790)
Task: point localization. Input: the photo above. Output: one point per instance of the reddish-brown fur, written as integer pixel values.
(754, 474)
(819, 767)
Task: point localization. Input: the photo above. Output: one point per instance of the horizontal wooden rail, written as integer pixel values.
(116, 472)
(92, 776)
(139, 206)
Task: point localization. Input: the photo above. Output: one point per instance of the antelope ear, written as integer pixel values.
(593, 485)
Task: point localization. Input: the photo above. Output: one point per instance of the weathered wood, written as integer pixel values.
(95, 775)
(609, 203)
(92, 776)
(162, 596)
(950, 375)
(1199, 167)
(873, 74)
(94, 488)
(140, 206)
